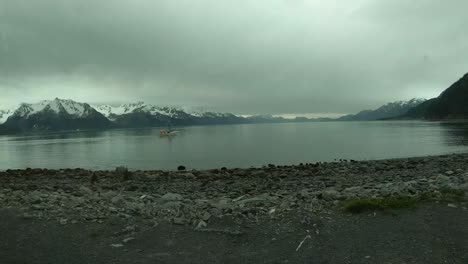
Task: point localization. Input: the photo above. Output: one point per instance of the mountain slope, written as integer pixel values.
(389, 110)
(52, 115)
(5, 114)
(450, 104)
(140, 114)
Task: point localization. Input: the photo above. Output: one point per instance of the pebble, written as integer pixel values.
(128, 239)
(172, 197)
(179, 221)
(116, 245)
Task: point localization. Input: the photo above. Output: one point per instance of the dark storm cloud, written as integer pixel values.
(243, 56)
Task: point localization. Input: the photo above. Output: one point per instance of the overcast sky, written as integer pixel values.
(241, 56)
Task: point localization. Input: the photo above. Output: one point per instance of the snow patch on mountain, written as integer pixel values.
(70, 107)
(111, 112)
(5, 114)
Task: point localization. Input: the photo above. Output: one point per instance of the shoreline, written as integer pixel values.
(294, 214)
(264, 166)
(194, 196)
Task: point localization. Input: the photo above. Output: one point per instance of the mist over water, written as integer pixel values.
(233, 145)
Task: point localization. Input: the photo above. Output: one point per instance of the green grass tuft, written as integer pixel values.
(452, 195)
(374, 204)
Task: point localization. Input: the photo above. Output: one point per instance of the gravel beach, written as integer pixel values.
(273, 214)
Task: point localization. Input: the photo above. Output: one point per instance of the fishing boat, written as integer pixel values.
(164, 132)
(168, 132)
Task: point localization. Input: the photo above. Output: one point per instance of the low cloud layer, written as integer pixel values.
(246, 56)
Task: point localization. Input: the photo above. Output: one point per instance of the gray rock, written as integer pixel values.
(35, 197)
(201, 224)
(109, 195)
(442, 181)
(252, 201)
(206, 216)
(331, 194)
(116, 245)
(118, 200)
(179, 221)
(172, 205)
(172, 197)
(85, 191)
(223, 203)
(128, 239)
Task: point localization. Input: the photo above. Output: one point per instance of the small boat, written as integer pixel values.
(169, 131)
(164, 132)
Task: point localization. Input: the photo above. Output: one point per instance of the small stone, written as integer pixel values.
(116, 245)
(179, 221)
(201, 224)
(85, 191)
(451, 205)
(35, 197)
(130, 228)
(172, 197)
(117, 200)
(128, 239)
(330, 195)
(449, 172)
(63, 221)
(181, 168)
(27, 216)
(206, 216)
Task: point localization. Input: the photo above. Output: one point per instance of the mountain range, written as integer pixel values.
(60, 114)
(389, 110)
(53, 115)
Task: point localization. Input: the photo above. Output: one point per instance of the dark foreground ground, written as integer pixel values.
(431, 233)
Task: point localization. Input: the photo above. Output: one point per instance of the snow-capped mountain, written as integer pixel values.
(113, 112)
(5, 114)
(140, 114)
(51, 115)
(389, 110)
(57, 106)
(59, 114)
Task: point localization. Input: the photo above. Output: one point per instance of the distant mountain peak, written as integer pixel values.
(388, 110)
(57, 106)
(450, 104)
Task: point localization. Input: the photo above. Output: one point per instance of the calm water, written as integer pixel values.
(233, 145)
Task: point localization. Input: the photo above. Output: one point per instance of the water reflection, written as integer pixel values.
(456, 133)
(233, 145)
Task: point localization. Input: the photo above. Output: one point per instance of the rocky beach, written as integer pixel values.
(234, 204)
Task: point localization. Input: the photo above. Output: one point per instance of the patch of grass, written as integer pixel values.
(373, 204)
(451, 191)
(452, 195)
(427, 196)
